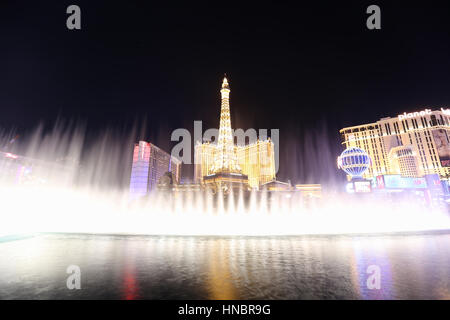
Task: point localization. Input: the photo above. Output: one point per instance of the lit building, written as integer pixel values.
(411, 144)
(226, 164)
(150, 163)
(204, 155)
(23, 170)
(257, 161)
(309, 190)
(277, 186)
(404, 161)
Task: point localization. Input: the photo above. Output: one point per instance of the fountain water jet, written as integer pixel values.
(84, 194)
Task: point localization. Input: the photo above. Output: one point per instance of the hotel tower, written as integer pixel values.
(411, 144)
(226, 165)
(150, 163)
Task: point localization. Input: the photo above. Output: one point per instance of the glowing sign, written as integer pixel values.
(433, 181)
(10, 155)
(362, 186)
(413, 114)
(442, 146)
(349, 188)
(399, 182)
(380, 182)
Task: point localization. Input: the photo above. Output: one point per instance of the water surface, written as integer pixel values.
(308, 267)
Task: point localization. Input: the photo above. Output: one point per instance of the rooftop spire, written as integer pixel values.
(225, 82)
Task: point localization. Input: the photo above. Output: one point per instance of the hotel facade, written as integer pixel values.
(411, 144)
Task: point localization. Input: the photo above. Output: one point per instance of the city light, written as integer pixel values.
(33, 210)
(10, 155)
(190, 152)
(49, 197)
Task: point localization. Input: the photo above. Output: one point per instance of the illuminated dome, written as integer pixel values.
(354, 161)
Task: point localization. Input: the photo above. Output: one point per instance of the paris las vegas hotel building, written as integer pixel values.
(218, 165)
(411, 144)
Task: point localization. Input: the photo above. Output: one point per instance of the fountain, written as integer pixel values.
(86, 192)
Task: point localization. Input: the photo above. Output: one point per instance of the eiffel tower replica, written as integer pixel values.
(227, 174)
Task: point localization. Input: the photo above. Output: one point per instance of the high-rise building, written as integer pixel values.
(257, 161)
(404, 161)
(411, 144)
(204, 155)
(150, 163)
(226, 163)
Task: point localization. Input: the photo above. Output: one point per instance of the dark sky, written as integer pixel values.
(308, 69)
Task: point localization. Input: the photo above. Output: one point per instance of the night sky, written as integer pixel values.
(308, 70)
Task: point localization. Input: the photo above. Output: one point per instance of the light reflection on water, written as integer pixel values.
(139, 267)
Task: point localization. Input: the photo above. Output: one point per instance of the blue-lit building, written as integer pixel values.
(149, 165)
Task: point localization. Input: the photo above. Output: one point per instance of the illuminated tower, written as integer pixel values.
(226, 159)
(226, 166)
(225, 134)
